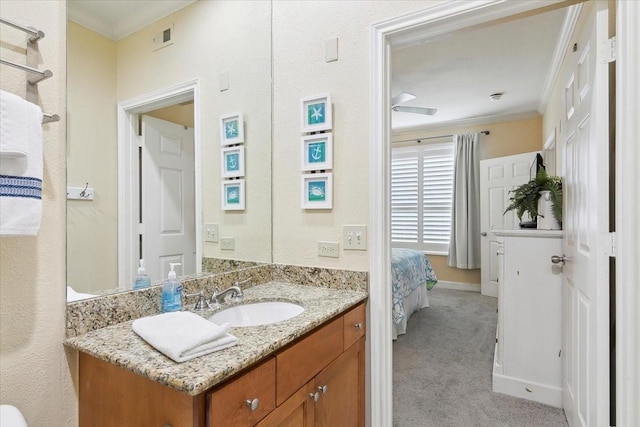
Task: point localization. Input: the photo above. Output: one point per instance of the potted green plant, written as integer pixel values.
(526, 197)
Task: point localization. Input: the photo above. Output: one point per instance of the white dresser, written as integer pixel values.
(528, 360)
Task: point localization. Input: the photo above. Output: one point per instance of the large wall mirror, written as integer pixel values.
(144, 170)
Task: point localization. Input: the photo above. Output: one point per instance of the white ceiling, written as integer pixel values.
(456, 74)
(117, 19)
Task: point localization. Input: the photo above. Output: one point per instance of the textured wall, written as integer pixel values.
(210, 38)
(34, 369)
(299, 70)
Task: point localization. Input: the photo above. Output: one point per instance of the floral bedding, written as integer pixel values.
(409, 269)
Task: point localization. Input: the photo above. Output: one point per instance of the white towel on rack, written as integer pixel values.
(183, 335)
(13, 125)
(20, 174)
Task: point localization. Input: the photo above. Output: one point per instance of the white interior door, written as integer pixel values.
(497, 177)
(168, 197)
(586, 188)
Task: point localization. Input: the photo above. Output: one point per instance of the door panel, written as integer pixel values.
(497, 177)
(584, 140)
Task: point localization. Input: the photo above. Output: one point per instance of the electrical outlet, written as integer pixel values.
(354, 237)
(329, 249)
(211, 232)
(228, 243)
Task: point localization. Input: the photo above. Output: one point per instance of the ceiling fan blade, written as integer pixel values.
(416, 110)
(402, 97)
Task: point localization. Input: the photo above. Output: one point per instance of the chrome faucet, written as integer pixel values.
(235, 292)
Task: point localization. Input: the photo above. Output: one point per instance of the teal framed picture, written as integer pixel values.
(317, 191)
(317, 152)
(232, 162)
(231, 129)
(233, 195)
(316, 113)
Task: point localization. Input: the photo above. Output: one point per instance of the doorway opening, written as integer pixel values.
(129, 192)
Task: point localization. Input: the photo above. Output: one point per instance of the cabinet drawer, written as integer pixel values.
(354, 325)
(227, 405)
(300, 363)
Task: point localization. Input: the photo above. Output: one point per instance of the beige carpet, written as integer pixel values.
(442, 369)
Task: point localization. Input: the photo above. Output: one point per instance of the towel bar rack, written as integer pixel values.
(35, 34)
(43, 74)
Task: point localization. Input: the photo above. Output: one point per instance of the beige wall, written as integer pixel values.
(299, 69)
(92, 157)
(34, 370)
(180, 114)
(210, 38)
(505, 139)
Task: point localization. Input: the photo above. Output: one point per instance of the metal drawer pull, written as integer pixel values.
(358, 325)
(323, 389)
(253, 404)
(314, 396)
(557, 259)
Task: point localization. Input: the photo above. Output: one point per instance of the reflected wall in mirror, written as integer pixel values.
(225, 47)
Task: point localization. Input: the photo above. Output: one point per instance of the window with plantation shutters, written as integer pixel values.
(421, 196)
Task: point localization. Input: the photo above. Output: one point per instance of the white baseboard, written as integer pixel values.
(458, 286)
(517, 387)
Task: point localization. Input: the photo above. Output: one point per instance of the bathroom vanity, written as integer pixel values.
(305, 371)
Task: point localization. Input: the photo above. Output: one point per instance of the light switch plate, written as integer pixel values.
(354, 237)
(224, 81)
(329, 249)
(331, 50)
(211, 232)
(227, 243)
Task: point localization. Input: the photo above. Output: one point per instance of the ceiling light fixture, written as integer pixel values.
(496, 96)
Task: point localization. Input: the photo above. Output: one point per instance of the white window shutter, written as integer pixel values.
(405, 194)
(421, 196)
(437, 193)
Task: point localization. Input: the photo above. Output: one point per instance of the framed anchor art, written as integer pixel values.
(317, 152)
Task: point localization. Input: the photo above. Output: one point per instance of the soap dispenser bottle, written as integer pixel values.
(142, 279)
(172, 291)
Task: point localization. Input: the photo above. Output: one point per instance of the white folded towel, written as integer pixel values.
(13, 125)
(20, 167)
(182, 335)
(72, 295)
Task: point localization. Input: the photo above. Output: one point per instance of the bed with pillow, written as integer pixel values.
(411, 277)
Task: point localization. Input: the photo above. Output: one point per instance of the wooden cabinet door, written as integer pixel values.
(297, 411)
(341, 387)
(301, 362)
(112, 396)
(228, 405)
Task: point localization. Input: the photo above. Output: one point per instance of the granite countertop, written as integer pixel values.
(118, 344)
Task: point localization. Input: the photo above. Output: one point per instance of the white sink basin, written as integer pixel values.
(256, 314)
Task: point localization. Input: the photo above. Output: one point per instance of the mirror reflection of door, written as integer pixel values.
(167, 197)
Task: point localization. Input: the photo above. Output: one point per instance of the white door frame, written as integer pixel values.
(128, 194)
(453, 16)
(627, 205)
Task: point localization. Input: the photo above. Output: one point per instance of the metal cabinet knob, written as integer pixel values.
(314, 396)
(253, 404)
(358, 325)
(484, 233)
(323, 389)
(557, 259)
